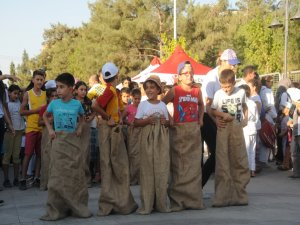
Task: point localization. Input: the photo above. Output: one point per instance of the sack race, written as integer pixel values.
(185, 190)
(154, 168)
(67, 189)
(115, 196)
(85, 147)
(45, 158)
(133, 150)
(232, 173)
(267, 134)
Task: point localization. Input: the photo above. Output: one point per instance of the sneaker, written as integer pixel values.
(7, 183)
(37, 182)
(29, 182)
(16, 182)
(22, 185)
(1, 202)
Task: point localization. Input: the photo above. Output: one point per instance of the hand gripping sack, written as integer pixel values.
(267, 134)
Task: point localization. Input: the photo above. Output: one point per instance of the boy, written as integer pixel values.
(185, 189)
(12, 142)
(125, 96)
(67, 190)
(152, 116)
(232, 173)
(115, 192)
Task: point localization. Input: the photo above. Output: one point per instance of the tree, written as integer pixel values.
(12, 69)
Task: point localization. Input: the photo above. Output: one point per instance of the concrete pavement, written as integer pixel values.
(274, 199)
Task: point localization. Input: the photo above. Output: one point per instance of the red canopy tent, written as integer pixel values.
(168, 70)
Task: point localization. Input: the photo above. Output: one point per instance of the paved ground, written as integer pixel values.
(274, 199)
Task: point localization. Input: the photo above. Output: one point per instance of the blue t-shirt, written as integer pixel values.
(65, 114)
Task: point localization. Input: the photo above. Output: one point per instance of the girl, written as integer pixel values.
(32, 102)
(80, 92)
(152, 116)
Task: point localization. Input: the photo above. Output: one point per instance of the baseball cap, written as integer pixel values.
(109, 70)
(182, 65)
(230, 56)
(288, 105)
(156, 80)
(50, 84)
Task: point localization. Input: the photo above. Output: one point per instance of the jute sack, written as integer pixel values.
(232, 173)
(154, 168)
(133, 150)
(185, 190)
(85, 147)
(67, 189)
(115, 195)
(45, 158)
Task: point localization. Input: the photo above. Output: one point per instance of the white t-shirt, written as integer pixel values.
(253, 118)
(147, 109)
(17, 120)
(210, 85)
(232, 104)
(240, 83)
(256, 98)
(294, 93)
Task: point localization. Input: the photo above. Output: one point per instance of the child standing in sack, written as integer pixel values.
(232, 173)
(185, 189)
(67, 189)
(152, 116)
(115, 196)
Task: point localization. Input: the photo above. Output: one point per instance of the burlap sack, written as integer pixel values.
(67, 189)
(232, 173)
(115, 196)
(45, 158)
(85, 147)
(185, 190)
(133, 150)
(154, 168)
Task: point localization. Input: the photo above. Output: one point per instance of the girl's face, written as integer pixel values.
(38, 81)
(14, 95)
(151, 90)
(81, 91)
(125, 97)
(136, 99)
(53, 96)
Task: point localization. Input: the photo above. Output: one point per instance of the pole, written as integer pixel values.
(286, 34)
(175, 19)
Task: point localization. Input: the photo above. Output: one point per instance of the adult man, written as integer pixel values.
(211, 84)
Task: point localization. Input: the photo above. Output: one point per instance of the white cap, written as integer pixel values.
(50, 84)
(109, 70)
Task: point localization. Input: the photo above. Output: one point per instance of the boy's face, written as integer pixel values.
(14, 95)
(187, 75)
(151, 90)
(63, 91)
(227, 87)
(136, 100)
(38, 81)
(125, 97)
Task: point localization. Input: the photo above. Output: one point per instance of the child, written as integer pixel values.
(232, 173)
(46, 140)
(12, 142)
(115, 191)
(80, 92)
(185, 190)
(152, 116)
(67, 190)
(133, 137)
(34, 98)
(125, 96)
(250, 130)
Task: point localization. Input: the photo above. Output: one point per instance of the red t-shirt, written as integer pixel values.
(186, 105)
(42, 110)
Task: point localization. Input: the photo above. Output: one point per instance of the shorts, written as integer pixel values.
(33, 143)
(12, 145)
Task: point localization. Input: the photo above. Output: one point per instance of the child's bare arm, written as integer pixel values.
(144, 122)
(245, 111)
(79, 126)
(24, 111)
(201, 109)
(48, 124)
(169, 96)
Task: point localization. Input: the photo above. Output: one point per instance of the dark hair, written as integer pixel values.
(135, 92)
(14, 87)
(49, 92)
(265, 79)
(126, 78)
(246, 88)
(80, 83)
(132, 84)
(125, 90)
(248, 69)
(255, 83)
(227, 76)
(39, 72)
(66, 78)
(109, 80)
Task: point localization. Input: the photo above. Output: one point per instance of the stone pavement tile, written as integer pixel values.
(8, 214)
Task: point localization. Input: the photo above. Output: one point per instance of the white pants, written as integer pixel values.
(263, 152)
(250, 141)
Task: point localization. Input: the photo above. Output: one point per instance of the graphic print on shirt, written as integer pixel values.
(187, 112)
(65, 121)
(233, 106)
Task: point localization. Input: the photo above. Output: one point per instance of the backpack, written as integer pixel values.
(267, 134)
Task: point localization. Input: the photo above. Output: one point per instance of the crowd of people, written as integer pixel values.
(67, 136)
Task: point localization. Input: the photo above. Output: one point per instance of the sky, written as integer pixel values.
(22, 23)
